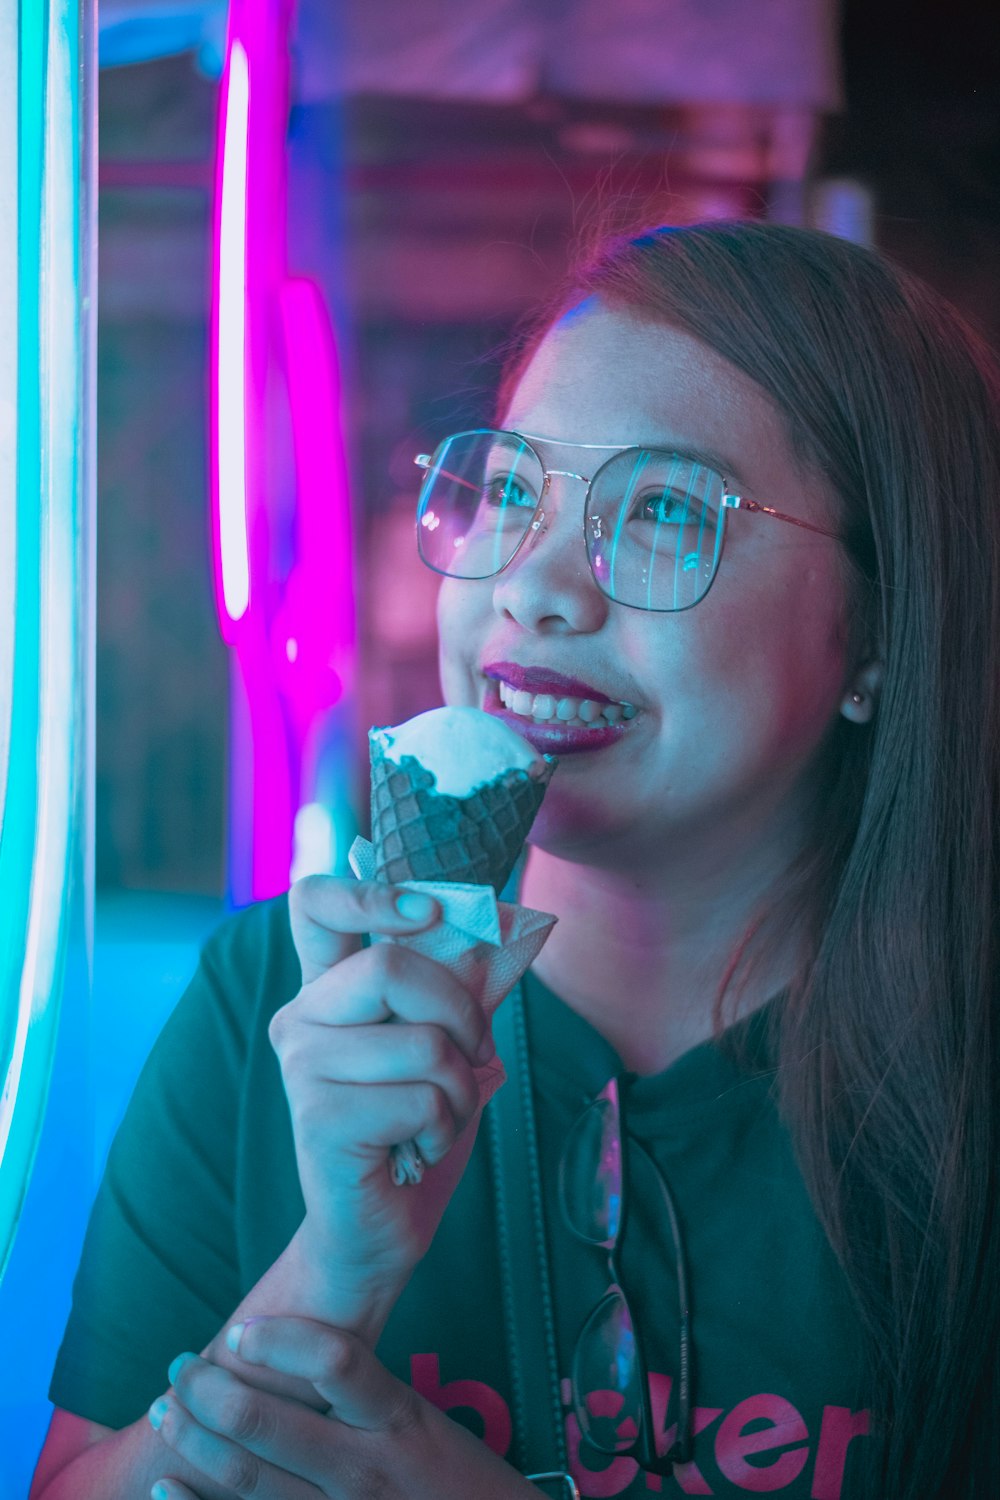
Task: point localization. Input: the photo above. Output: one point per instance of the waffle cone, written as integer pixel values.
(419, 833)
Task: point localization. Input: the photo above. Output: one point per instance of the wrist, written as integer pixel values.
(332, 1289)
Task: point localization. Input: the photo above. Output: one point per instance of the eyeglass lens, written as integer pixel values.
(653, 521)
(606, 1364)
(591, 1181)
(606, 1374)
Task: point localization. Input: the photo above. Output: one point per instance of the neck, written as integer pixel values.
(641, 954)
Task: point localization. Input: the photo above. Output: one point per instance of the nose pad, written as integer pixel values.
(554, 588)
(542, 522)
(539, 522)
(544, 519)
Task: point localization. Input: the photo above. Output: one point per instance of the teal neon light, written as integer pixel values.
(41, 792)
(623, 511)
(500, 542)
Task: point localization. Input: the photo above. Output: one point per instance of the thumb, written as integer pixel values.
(328, 914)
(360, 1390)
(318, 942)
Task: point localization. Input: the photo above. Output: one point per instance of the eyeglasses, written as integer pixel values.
(609, 1356)
(654, 521)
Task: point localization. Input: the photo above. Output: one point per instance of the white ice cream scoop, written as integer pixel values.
(464, 748)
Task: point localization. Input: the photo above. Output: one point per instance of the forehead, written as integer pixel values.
(602, 375)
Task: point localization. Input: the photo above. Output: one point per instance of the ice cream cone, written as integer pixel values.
(419, 833)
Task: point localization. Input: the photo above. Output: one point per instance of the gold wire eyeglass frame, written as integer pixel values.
(729, 500)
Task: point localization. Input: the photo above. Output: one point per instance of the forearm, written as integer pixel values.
(125, 1464)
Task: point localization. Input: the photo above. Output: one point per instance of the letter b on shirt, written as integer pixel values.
(467, 1395)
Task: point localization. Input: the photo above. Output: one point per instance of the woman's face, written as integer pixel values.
(734, 697)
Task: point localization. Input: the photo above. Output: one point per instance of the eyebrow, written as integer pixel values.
(683, 450)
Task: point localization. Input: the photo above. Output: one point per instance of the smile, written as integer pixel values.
(574, 713)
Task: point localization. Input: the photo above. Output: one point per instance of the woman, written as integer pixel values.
(775, 871)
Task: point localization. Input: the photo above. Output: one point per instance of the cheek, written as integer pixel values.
(460, 636)
(779, 654)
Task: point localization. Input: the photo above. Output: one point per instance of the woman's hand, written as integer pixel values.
(357, 1086)
(377, 1438)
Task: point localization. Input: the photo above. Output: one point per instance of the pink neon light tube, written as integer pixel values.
(229, 476)
(291, 629)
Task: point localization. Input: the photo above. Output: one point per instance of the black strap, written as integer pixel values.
(539, 1442)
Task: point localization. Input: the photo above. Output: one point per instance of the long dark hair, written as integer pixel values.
(887, 1046)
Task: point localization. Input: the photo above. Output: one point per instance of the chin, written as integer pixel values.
(572, 828)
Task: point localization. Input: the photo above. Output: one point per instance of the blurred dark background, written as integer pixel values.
(434, 225)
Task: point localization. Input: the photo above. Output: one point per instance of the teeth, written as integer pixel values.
(575, 712)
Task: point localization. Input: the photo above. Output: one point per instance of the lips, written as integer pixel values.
(555, 713)
(537, 680)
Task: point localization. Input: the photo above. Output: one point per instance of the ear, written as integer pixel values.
(861, 699)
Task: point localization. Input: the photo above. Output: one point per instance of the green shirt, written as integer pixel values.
(201, 1195)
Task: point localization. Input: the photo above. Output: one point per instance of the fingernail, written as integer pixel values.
(159, 1491)
(233, 1336)
(177, 1365)
(157, 1412)
(415, 906)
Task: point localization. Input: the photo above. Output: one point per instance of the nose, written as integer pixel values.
(548, 587)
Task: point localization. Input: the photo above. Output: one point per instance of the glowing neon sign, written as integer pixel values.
(230, 467)
(291, 627)
(43, 671)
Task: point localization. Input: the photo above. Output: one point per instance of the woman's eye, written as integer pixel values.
(504, 489)
(669, 509)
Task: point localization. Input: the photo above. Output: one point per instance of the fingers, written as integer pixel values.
(246, 1442)
(384, 982)
(361, 1391)
(402, 1054)
(250, 1442)
(347, 1128)
(327, 914)
(379, 1047)
(172, 1489)
(355, 1083)
(377, 1438)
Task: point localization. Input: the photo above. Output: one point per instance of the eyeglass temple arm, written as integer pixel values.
(557, 1476)
(423, 461)
(740, 502)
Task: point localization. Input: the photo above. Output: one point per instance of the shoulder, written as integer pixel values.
(255, 933)
(250, 960)
(247, 970)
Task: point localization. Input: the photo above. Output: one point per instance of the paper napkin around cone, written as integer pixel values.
(487, 944)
